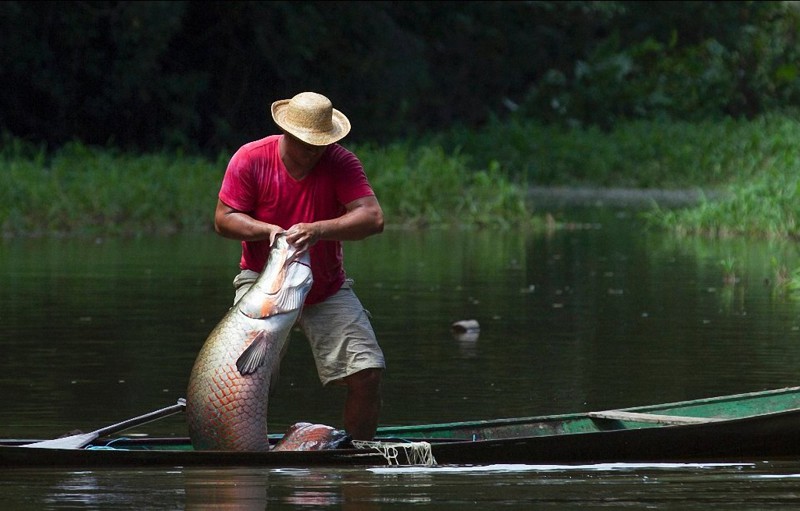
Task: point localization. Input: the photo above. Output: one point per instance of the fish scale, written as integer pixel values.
(228, 391)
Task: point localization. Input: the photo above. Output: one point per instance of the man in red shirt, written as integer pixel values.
(302, 183)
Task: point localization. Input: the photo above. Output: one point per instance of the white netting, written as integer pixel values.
(415, 453)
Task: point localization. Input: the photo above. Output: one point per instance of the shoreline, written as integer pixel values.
(569, 196)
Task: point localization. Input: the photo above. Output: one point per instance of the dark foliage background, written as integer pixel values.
(200, 76)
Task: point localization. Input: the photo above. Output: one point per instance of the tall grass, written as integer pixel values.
(641, 154)
(460, 178)
(86, 190)
(424, 186)
(757, 164)
(754, 163)
(83, 190)
(767, 205)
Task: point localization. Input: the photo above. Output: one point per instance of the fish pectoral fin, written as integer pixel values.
(285, 300)
(290, 299)
(255, 355)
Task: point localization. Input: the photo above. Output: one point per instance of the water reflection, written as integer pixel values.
(598, 316)
(225, 489)
(603, 315)
(248, 489)
(675, 486)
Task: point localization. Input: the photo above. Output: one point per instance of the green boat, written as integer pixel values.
(753, 426)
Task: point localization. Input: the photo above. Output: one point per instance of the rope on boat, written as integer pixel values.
(109, 446)
(416, 453)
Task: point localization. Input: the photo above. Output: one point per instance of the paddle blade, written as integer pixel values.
(68, 442)
(83, 439)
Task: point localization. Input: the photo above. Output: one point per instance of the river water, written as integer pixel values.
(598, 313)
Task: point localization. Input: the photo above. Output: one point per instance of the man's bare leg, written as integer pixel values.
(363, 403)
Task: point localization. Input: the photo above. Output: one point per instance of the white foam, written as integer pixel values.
(503, 467)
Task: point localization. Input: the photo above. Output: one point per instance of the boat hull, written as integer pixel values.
(745, 428)
(772, 436)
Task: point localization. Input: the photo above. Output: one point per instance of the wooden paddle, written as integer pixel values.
(82, 440)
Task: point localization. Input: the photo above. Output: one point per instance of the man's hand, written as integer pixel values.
(363, 217)
(274, 234)
(302, 236)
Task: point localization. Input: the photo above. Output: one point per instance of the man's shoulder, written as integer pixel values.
(257, 146)
(338, 149)
(339, 155)
(261, 143)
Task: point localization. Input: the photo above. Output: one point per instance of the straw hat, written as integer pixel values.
(311, 118)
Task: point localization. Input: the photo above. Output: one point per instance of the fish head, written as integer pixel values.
(282, 257)
(282, 286)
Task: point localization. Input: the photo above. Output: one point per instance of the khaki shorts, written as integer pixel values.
(338, 331)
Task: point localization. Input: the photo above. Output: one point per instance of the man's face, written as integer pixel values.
(305, 155)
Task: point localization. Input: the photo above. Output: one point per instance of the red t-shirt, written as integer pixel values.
(257, 183)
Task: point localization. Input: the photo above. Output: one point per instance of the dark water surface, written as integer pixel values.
(597, 314)
(679, 487)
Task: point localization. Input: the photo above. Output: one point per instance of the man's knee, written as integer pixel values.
(364, 381)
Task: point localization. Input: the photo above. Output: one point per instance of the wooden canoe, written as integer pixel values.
(742, 427)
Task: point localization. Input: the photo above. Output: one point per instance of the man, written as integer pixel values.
(302, 183)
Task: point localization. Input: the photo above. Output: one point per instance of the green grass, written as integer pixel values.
(641, 154)
(456, 179)
(755, 164)
(424, 186)
(82, 190)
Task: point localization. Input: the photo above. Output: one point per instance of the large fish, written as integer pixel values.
(226, 402)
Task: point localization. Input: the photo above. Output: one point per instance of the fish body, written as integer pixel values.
(228, 391)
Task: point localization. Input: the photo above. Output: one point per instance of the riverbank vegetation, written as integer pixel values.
(750, 169)
(112, 123)
(83, 190)
(461, 178)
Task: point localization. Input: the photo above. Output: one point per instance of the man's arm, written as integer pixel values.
(238, 225)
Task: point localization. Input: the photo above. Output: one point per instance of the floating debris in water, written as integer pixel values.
(465, 330)
(465, 325)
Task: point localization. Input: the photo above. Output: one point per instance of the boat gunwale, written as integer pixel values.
(453, 451)
(395, 432)
(511, 421)
(756, 429)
